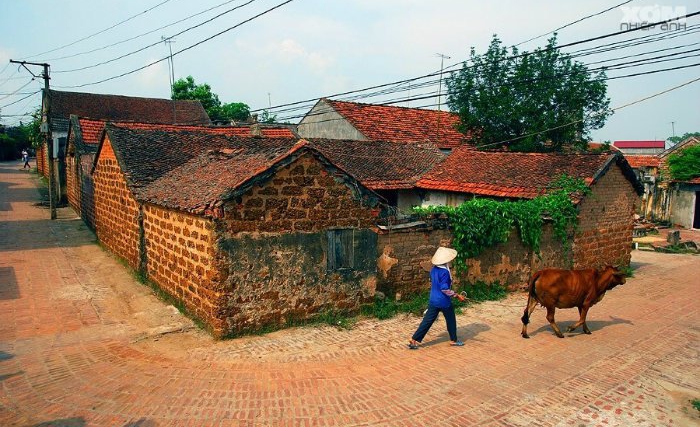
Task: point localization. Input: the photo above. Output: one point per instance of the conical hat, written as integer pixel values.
(443, 255)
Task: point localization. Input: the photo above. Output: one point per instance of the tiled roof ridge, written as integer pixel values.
(388, 106)
(111, 95)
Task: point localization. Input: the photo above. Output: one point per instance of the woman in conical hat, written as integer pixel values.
(441, 296)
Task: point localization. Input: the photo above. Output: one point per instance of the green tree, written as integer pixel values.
(685, 165)
(187, 89)
(676, 139)
(17, 138)
(538, 101)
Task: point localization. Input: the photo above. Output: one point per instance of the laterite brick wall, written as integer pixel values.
(87, 189)
(181, 259)
(42, 160)
(403, 254)
(116, 211)
(606, 222)
(302, 197)
(275, 243)
(73, 183)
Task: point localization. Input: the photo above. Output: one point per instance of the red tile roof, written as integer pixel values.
(640, 144)
(599, 146)
(91, 129)
(380, 165)
(638, 161)
(510, 174)
(124, 108)
(695, 180)
(401, 124)
(195, 168)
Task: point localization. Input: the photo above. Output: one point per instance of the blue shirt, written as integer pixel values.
(440, 292)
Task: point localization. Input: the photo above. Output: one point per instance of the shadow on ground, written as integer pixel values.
(63, 422)
(593, 325)
(465, 333)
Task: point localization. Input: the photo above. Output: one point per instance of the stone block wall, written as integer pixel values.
(278, 279)
(182, 260)
(606, 222)
(116, 210)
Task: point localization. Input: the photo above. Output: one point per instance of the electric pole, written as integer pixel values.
(442, 64)
(45, 127)
(171, 64)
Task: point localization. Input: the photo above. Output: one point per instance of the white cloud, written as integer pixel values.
(291, 51)
(153, 77)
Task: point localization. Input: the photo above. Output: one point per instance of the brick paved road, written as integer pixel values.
(82, 343)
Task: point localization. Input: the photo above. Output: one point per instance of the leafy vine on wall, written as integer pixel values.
(479, 224)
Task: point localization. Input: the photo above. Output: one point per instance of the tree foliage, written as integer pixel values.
(218, 112)
(685, 165)
(676, 139)
(17, 138)
(538, 101)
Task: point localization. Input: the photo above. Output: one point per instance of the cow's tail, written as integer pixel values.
(530, 294)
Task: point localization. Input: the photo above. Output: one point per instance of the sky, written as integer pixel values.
(307, 49)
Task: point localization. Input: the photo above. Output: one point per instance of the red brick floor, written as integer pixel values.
(82, 343)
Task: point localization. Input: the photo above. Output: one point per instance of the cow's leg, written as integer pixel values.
(582, 311)
(550, 318)
(526, 316)
(580, 322)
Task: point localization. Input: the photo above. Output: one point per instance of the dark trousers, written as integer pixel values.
(430, 317)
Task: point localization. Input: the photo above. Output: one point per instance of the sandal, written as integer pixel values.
(413, 345)
(457, 343)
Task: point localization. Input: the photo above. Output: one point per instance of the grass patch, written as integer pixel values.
(696, 404)
(387, 308)
(627, 270)
(481, 291)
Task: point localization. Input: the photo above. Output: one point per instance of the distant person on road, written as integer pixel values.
(25, 159)
(441, 295)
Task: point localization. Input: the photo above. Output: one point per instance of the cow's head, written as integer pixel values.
(613, 276)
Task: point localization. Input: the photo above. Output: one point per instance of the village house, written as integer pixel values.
(390, 169)
(674, 201)
(640, 147)
(57, 106)
(646, 168)
(331, 119)
(83, 139)
(245, 232)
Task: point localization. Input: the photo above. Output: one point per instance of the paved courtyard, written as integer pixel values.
(83, 343)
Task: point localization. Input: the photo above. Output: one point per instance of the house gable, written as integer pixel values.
(323, 121)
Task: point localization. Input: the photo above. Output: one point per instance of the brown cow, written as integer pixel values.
(555, 288)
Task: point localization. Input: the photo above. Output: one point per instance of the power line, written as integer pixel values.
(19, 100)
(595, 114)
(99, 32)
(20, 88)
(432, 96)
(156, 43)
(433, 74)
(574, 22)
(183, 50)
(140, 35)
(620, 65)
